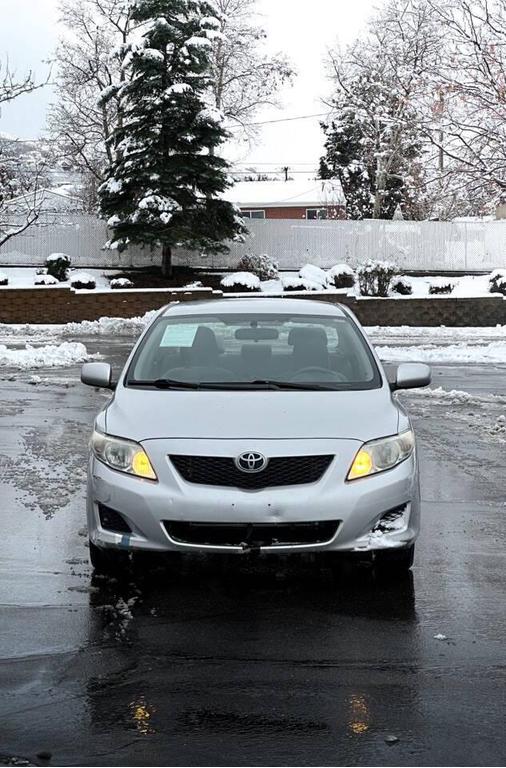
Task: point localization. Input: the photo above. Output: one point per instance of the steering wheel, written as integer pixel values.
(327, 374)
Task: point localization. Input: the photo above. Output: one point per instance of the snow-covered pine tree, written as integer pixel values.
(164, 186)
(345, 159)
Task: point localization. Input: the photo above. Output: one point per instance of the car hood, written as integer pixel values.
(150, 415)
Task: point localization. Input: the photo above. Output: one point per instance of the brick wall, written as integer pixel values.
(63, 305)
(298, 212)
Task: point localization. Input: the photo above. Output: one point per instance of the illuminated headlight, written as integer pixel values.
(122, 455)
(381, 455)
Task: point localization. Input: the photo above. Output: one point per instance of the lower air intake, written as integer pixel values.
(252, 535)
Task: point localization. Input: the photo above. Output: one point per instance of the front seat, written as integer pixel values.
(310, 348)
(204, 351)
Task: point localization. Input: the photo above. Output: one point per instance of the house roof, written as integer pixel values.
(304, 193)
(44, 193)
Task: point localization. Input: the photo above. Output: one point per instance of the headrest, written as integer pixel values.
(307, 335)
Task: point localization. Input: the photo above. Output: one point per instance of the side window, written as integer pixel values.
(257, 214)
(313, 214)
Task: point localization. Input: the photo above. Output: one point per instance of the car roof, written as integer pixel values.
(256, 306)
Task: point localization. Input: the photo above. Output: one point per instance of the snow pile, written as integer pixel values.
(314, 275)
(453, 397)
(241, 281)
(495, 352)
(109, 326)
(119, 283)
(49, 356)
(4, 280)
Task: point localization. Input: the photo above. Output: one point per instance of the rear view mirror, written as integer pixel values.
(257, 334)
(412, 376)
(97, 375)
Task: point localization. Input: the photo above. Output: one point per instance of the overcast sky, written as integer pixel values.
(303, 29)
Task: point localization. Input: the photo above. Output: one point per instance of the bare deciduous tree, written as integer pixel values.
(246, 78)
(11, 87)
(472, 72)
(20, 175)
(82, 121)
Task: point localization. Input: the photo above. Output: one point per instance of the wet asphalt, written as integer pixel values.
(251, 662)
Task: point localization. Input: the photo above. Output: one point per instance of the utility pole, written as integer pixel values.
(286, 168)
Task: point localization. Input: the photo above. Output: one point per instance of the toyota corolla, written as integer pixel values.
(253, 425)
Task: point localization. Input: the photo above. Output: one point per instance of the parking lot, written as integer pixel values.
(240, 661)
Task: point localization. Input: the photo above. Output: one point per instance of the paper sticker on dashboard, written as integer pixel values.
(179, 335)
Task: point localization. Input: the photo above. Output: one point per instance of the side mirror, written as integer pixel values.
(411, 376)
(97, 375)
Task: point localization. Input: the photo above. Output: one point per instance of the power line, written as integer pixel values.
(280, 120)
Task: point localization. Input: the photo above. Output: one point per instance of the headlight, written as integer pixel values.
(122, 455)
(381, 455)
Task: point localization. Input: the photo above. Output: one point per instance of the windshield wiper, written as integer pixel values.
(265, 384)
(291, 385)
(261, 384)
(165, 384)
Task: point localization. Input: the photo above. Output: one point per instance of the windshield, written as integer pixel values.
(251, 351)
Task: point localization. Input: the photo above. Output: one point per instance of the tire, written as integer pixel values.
(394, 560)
(109, 562)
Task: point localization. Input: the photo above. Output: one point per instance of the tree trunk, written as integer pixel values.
(380, 190)
(167, 261)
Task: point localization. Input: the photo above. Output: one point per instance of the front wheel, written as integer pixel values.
(108, 562)
(394, 559)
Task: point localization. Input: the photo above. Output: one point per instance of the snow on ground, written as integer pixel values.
(24, 277)
(48, 356)
(106, 326)
(494, 352)
(465, 286)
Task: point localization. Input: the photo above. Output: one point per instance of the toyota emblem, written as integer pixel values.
(251, 462)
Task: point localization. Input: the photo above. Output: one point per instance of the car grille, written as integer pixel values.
(252, 535)
(280, 471)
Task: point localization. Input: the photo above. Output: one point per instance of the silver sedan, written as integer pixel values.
(253, 425)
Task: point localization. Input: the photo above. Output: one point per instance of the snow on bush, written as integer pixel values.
(441, 289)
(402, 286)
(240, 282)
(45, 280)
(4, 280)
(50, 356)
(82, 281)
(299, 284)
(119, 283)
(58, 265)
(260, 265)
(193, 286)
(497, 282)
(341, 276)
(314, 275)
(374, 277)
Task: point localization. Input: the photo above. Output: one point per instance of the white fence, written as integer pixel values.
(413, 245)
(424, 245)
(81, 237)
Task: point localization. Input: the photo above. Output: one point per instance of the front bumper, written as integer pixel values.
(358, 506)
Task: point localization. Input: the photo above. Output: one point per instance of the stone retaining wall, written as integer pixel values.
(63, 305)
